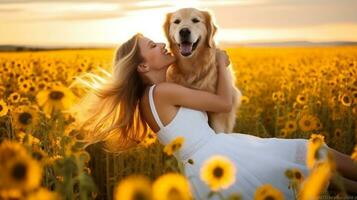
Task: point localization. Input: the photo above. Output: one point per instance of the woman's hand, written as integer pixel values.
(222, 59)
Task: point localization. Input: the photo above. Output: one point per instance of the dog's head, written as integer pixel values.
(188, 29)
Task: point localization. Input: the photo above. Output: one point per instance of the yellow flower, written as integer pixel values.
(24, 86)
(174, 145)
(133, 187)
(10, 149)
(10, 194)
(171, 186)
(3, 108)
(21, 172)
(307, 123)
(301, 99)
(314, 144)
(57, 98)
(25, 116)
(244, 99)
(295, 178)
(284, 133)
(43, 194)
(14, 97)
(291, 126)
(346, 100)
(267, 191)
(218, 172)
(316, 182)
(149, 139)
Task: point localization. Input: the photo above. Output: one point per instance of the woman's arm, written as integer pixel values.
(179, 95)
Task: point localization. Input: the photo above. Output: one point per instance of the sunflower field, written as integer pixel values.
(307, 92)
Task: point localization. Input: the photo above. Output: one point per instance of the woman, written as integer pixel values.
(137, 96)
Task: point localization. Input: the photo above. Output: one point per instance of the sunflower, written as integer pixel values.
(346, 100)
(244, 99)
(43, 194)
(14, 97)
(316, 182)
(172, 186)
(284, 133)
(314, 144)
(24, 86)
(21, 172)
(10, 149)
(133, 187)
(295, 178)
(267, 191)
(301, 99)
(174, 145)
(307, 123)
(149, 140)
(218, 172)
(42, 85)
(291, 126)
(38, 154)
(3, 108)
(10, 194)
(275, 96)
(56, 98)
(25, 116)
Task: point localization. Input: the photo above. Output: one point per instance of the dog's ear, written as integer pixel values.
(167, 26)
(211, 28)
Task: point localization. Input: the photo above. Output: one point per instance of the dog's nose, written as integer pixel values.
(185, 32)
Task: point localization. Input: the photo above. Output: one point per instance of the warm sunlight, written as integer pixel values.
(109, 22)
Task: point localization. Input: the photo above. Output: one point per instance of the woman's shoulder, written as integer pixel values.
(168, 86)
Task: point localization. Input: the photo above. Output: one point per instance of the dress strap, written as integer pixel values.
(152, 107)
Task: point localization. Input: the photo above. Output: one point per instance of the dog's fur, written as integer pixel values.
(198, 70)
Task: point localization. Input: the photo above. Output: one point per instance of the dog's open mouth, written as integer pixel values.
(186, 48)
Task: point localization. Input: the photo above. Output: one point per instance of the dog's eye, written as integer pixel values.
(195, 20)
(177, 21)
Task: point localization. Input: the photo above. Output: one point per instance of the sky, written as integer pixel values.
(110, 22)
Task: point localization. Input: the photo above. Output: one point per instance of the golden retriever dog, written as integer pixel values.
(190, 35)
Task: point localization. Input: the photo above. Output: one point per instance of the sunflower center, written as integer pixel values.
(56, 95)
(1, 108)
(218, 172)
(174, 194)
(19, 171)
(307, 123)
(297, 175)
(269, 198)
(346, 99)
(25, 118)
(139, 195)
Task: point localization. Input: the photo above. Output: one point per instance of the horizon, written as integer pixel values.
(98, 23)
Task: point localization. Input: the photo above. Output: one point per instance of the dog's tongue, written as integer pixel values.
(186, 49)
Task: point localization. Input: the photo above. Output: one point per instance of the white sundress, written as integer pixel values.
(258, 160)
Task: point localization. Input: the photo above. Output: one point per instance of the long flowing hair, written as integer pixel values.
(109, 112)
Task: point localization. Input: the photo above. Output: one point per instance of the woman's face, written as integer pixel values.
(155, 55)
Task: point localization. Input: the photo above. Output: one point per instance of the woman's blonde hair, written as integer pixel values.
(110, 112)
